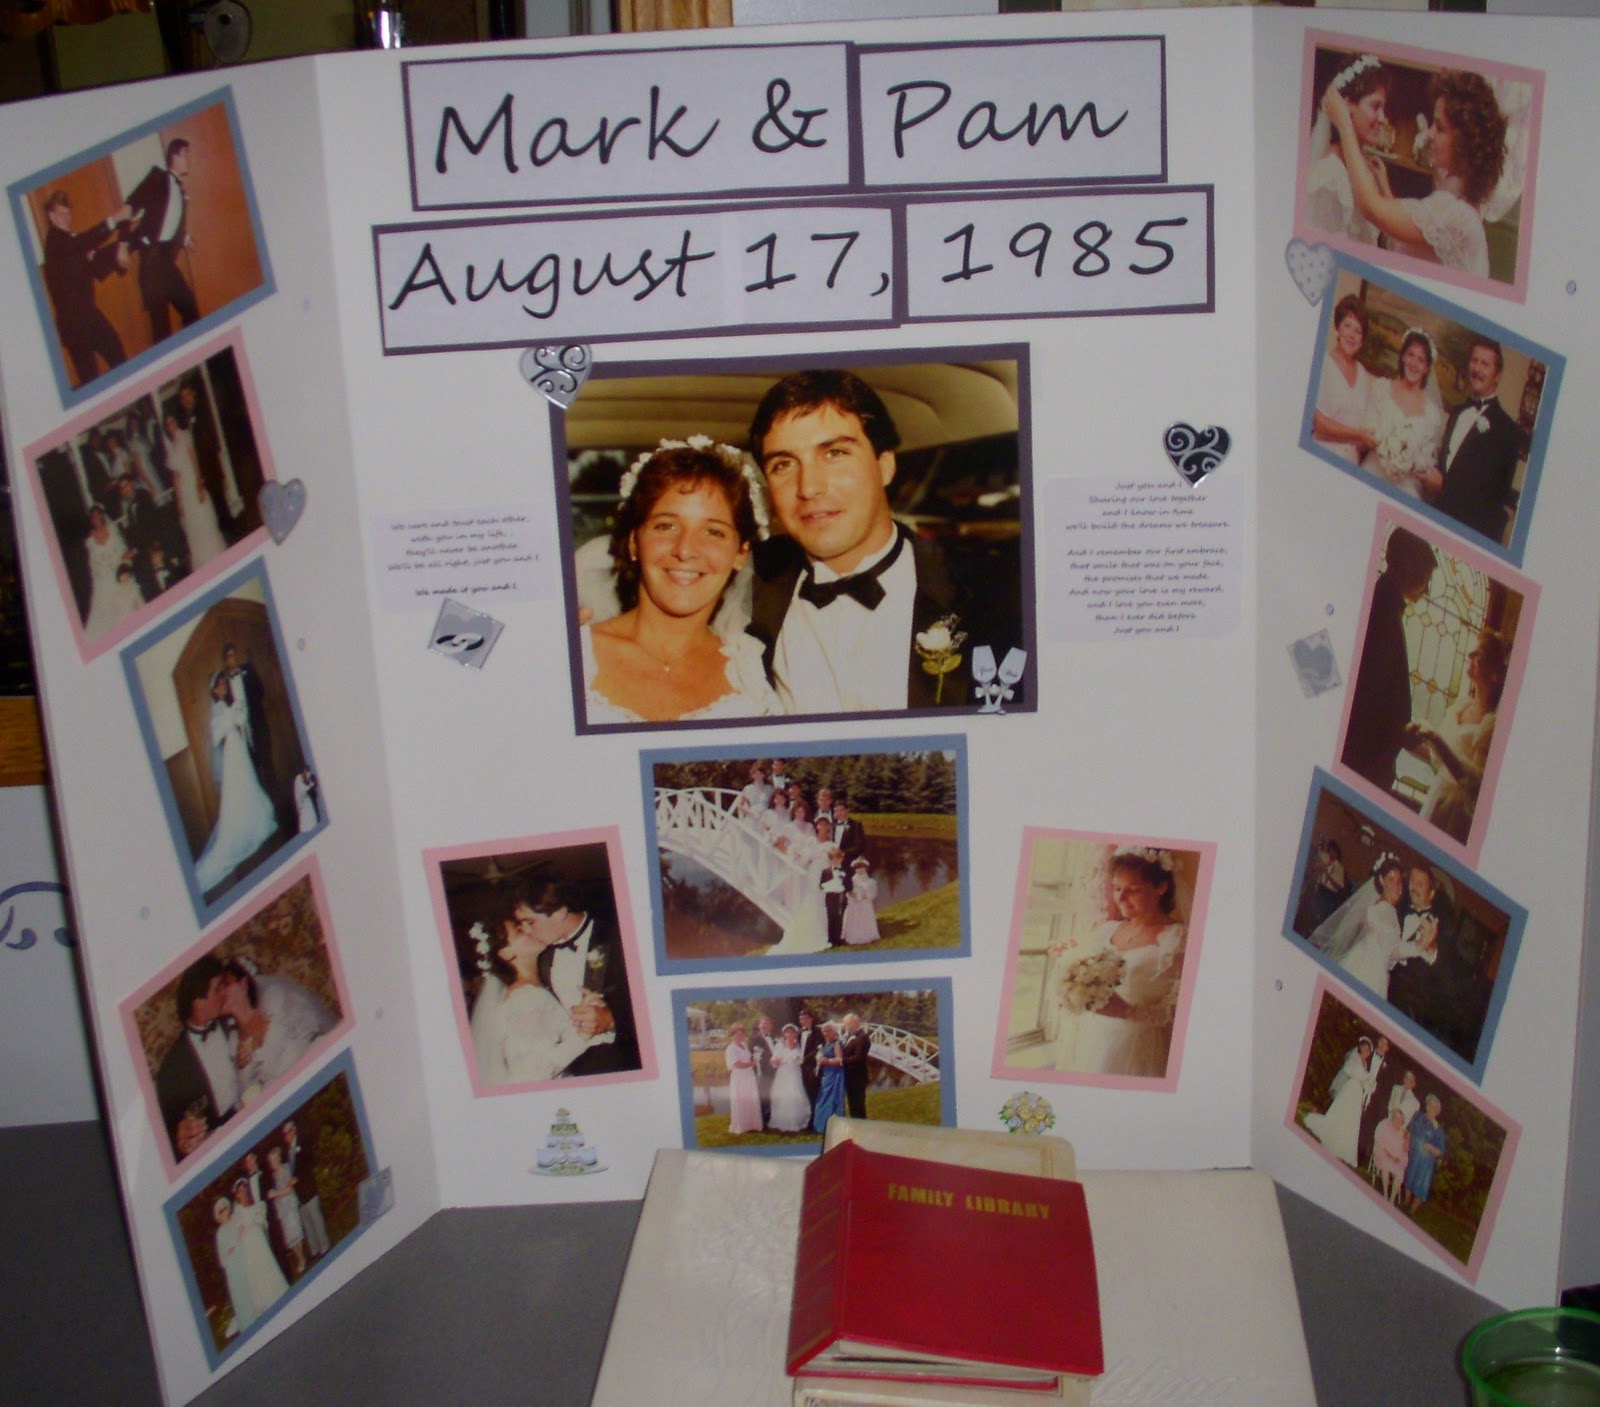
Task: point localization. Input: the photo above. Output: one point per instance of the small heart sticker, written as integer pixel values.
(1196, 453)
(1311, 268)
(281, 507)
(557, 372)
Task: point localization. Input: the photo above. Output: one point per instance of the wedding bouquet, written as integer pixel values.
(1089, 983)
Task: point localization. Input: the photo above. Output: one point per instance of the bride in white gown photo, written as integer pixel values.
(688, 515)
(245, 818)
(520, 1030)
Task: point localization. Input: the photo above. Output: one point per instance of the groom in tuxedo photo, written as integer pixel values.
(197, 1082)
(841, 595)
(160, 232)
(1479, 453)
(582, 964)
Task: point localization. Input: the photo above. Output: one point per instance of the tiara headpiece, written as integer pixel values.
(1162, 859)
(733, 457)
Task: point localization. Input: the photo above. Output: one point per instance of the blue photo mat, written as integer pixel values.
(205, 912)
(682, 1000)
(1554, 364)
(18, 191)
(1462, 877)
(287, 1108)
(648, 760)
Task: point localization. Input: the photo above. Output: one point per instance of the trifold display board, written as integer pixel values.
(1143, 683)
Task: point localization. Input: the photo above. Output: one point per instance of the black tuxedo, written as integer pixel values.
(778, 564)
(72, 264)
(1477, 480)
(142, 529)
(181, 1082)
(810, 1075)
(761, 1058)
(609, 979)
(161, 282)
(851, 837)
(1380, 706)
(854, 1049)
(834, 902)
(1440, 996)
(246, 678)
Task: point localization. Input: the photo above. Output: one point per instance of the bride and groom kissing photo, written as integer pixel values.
(543, 968)
(772, 577)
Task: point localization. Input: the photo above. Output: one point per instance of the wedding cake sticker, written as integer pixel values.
(566, 1152)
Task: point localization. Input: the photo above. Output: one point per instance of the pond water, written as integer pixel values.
(705, 917)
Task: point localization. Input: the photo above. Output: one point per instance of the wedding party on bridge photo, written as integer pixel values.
(539, 943)
(150, 236)
(1421, 160)
(1425, 937)
(1105, 943)
(763, 1070)
(153, 498)
(264, 1220)
(1433, 1153)
(1438, 667)
(1446, 413)
(820, 855)
(748, 541)
(231, 1022)
(222, 728)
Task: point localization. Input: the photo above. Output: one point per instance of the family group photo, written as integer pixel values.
(1435, 1156)
(766, 1071)
(1105, 940)
(1427, 938)
(811, 855)
(226, 1028)
(1422, 161)
(223, 731)
(147, 238)
(145, 498)
(1447, 416)
(273, 1212)
(821, 540)
(1438, 664)
(542, 960)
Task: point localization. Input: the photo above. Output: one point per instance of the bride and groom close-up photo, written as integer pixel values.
(785, 547)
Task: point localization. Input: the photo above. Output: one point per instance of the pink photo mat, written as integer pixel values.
(1414, 57)
(307, 869)
(1433, 1071)
(1207, 851)
(611, 838)
(1388, 518)
(198, 579)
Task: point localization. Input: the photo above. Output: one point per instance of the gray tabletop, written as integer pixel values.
(511, 1304)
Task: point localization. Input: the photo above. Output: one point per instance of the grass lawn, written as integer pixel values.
(921, 825)
(931, 920)
(909, 1104)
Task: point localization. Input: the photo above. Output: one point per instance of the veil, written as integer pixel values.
(488, 1031)
(1337, 933)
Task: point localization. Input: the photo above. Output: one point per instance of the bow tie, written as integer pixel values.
(862, 586)
(203, 1031)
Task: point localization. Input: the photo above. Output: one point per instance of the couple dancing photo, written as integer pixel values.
(1100, 949)
(1428, 1152)
(795, 554)
(222, 726)
(228, 1029)
(271, 1214)
(1431, 941)
(819, 855)
(144, 241)
(772, 1070)
(1427, 163)
(541, 964)
(156, 491)
(1444, 415)
(1434, 682)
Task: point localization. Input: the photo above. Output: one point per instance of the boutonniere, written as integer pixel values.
(940, 648)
